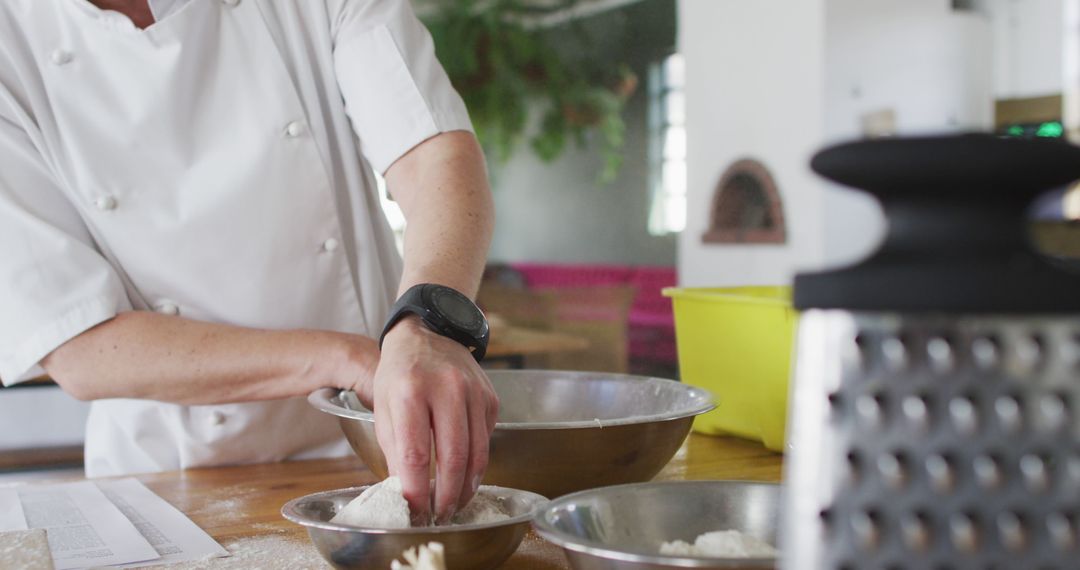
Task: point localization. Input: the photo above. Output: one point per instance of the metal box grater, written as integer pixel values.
(936, 401)
(939, 440)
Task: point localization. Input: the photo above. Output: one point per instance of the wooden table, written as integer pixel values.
(240, 506)
(513, 344)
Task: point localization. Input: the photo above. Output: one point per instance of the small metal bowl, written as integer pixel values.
(479, 546)
(622, 527)
(560, 432)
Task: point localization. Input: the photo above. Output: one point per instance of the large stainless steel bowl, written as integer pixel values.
(560, 432)
(622, 527)
(476, 546)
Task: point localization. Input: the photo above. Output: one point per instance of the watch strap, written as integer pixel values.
(414, 302)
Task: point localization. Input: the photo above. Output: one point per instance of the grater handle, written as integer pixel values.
(957, 239)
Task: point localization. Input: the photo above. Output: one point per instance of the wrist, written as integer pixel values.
(440, 310)
(343, 361)
(408, 326)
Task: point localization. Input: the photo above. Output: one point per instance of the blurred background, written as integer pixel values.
(638, 145)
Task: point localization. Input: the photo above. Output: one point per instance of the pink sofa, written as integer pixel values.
(651, 321)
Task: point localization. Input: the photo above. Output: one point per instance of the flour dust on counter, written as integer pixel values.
(261, 553)
(222, 504)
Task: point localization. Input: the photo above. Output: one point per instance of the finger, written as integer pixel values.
(412, 443)
(492, 411)
(451, 423)
(478, 448)
(384, 434)
(492, 400)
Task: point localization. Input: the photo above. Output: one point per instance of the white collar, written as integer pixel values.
(163, 8)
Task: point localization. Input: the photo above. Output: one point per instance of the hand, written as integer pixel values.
(427, 389)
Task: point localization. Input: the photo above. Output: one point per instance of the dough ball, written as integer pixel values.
(380, 506)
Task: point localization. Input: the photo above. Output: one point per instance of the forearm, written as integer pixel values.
(443, 191)
(429, 391)
(150, 356)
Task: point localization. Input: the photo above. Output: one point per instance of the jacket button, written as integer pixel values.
(171, 309)
(106, 203)
(294, 129)
(331, 245)
(61, 57)
(217, 419)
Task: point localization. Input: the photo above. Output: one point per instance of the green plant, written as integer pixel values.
(503, 67)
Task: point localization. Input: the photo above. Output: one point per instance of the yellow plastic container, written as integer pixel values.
(737, 343)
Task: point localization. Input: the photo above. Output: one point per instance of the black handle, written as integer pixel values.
(957, 239)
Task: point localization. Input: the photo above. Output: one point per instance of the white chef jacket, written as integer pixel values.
(216, 165)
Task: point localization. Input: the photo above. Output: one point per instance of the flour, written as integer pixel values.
(721, 544)
(379, 506)
(383, 506)
(221, 505)
(483, 509)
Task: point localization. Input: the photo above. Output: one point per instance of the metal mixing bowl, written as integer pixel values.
(479, 546)
(560, 432)
(622, 527)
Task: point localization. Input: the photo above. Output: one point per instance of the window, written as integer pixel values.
(667, 148)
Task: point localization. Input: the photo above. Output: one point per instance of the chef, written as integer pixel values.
(192, 238)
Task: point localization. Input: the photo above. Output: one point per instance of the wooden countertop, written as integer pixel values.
(240, 506)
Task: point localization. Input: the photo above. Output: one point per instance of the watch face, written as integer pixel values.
(457, 308)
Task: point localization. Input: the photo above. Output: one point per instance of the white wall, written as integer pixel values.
(1028, 46)
(931, 66)
(778, 80)
(1071, 69)
(755, 88)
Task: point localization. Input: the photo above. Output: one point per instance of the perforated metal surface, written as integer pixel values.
(929, 442)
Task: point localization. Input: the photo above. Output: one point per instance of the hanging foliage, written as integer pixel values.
(504, 67)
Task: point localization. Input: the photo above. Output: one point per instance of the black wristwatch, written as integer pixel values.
(446, 312)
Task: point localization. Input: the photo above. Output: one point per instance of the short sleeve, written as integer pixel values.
(53, 282)
(396, 93)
